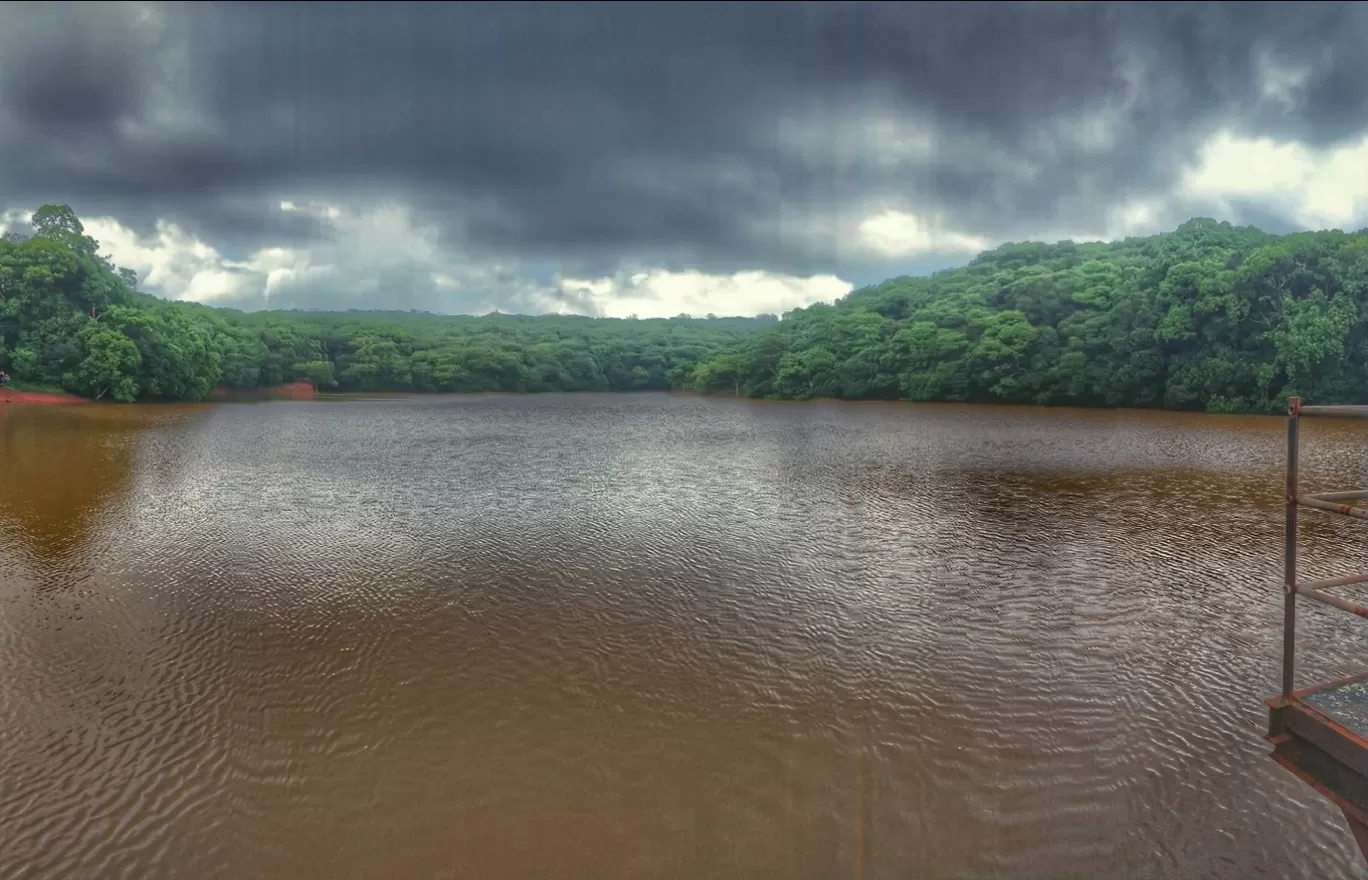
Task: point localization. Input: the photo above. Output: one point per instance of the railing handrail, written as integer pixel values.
(1330, 502)
(1295, 408)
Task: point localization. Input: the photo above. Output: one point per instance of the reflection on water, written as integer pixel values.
(62, 468)
(59, 469)
(625, 636)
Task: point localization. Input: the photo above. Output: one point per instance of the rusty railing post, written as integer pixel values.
(1290, 550)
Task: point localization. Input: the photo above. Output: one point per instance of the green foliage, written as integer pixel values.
(1210, 316)
(70, 320)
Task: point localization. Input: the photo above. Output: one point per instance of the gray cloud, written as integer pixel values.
(717, 136)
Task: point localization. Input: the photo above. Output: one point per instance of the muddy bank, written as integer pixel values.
(14, 395)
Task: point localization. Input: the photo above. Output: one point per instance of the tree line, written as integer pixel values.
(1208, 317)
(69, 319)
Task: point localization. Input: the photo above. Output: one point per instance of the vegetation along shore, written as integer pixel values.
(1207, 317)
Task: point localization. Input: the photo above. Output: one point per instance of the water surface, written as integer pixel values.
(651, 636)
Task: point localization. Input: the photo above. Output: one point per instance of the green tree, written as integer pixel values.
(1209, 316)
(108, 368)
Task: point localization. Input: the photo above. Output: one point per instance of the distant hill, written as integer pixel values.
(70, 319)
(1210, 316)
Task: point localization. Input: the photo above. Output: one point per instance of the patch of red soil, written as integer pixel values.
(37, 397)
(297, 390)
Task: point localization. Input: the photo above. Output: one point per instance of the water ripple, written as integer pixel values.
(626, 636)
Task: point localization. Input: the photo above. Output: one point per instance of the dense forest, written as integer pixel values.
(69, 319)
(1210, 316)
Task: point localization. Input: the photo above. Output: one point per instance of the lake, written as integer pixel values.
(632, 636)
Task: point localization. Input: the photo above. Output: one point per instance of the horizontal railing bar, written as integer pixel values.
(1330, 583)
(1334, 601)
(1331, 507)
(1340, 412)
(1350, 495)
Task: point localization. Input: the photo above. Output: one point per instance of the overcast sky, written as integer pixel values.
(659, 158)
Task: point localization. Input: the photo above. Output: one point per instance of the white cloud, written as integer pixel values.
(660, 294)
(1282, 83)
(172, 262)
(13, 218)
(176, 265)
(893, 233)
(1316, 189)
(1313, 189)
(1138, 217)
(382, 258)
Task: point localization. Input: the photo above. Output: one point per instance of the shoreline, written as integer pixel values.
(37, 398)
(288, 391)
(305, 391)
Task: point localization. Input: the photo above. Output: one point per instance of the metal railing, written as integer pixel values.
(1331, 502)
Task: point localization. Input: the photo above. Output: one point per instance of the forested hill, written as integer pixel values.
(70, 319)
(1210, 316)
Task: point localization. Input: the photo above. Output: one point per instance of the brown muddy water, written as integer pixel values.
(646, 636)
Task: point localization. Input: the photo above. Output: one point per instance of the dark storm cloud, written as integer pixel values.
(411, 287)
(695, 134)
